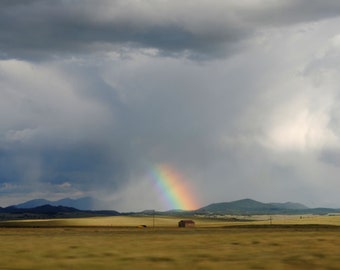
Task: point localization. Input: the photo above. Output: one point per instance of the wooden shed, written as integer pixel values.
(186, 223)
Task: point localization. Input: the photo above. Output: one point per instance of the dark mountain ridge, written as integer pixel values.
(43, 209)
(252, 207)
(249, 204)
(50, 211)
(84, 203)
(78, 207)
(289, 205)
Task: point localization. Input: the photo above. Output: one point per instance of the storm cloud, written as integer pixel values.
(43, 28)
(241, 99)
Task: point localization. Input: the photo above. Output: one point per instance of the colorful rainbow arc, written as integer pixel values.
(173, 189)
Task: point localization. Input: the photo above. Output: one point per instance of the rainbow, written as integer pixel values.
(169, 183)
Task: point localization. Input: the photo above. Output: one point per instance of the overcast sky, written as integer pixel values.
(241, 98)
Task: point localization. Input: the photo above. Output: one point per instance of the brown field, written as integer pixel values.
(117, 243)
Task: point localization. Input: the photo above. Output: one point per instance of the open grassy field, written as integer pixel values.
(117, 243)
(172, 221)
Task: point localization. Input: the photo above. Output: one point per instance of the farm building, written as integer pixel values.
(186, 223)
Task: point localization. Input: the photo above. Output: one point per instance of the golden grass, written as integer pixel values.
(115, 221)
(170, 248)
(172, 221)
(118, 243)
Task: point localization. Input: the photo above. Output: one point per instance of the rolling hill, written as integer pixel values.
(84, 203)
(249, 206)
(85, 206)
(50, 211)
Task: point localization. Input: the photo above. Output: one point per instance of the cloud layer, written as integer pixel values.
(239, 98)
(44, 28)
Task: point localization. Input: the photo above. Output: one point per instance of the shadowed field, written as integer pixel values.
(167, 247)
(172, 221)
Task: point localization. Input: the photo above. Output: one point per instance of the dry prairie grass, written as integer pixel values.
(165, 247)
(114, 221)
(172, 221)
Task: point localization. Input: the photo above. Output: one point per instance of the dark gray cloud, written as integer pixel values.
(42, 28)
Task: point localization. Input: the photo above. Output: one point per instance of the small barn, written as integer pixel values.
(186, 223)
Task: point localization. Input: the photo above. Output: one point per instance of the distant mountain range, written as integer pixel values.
(50, 211)
(252, 207)
(84, 203)
(41, 208)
